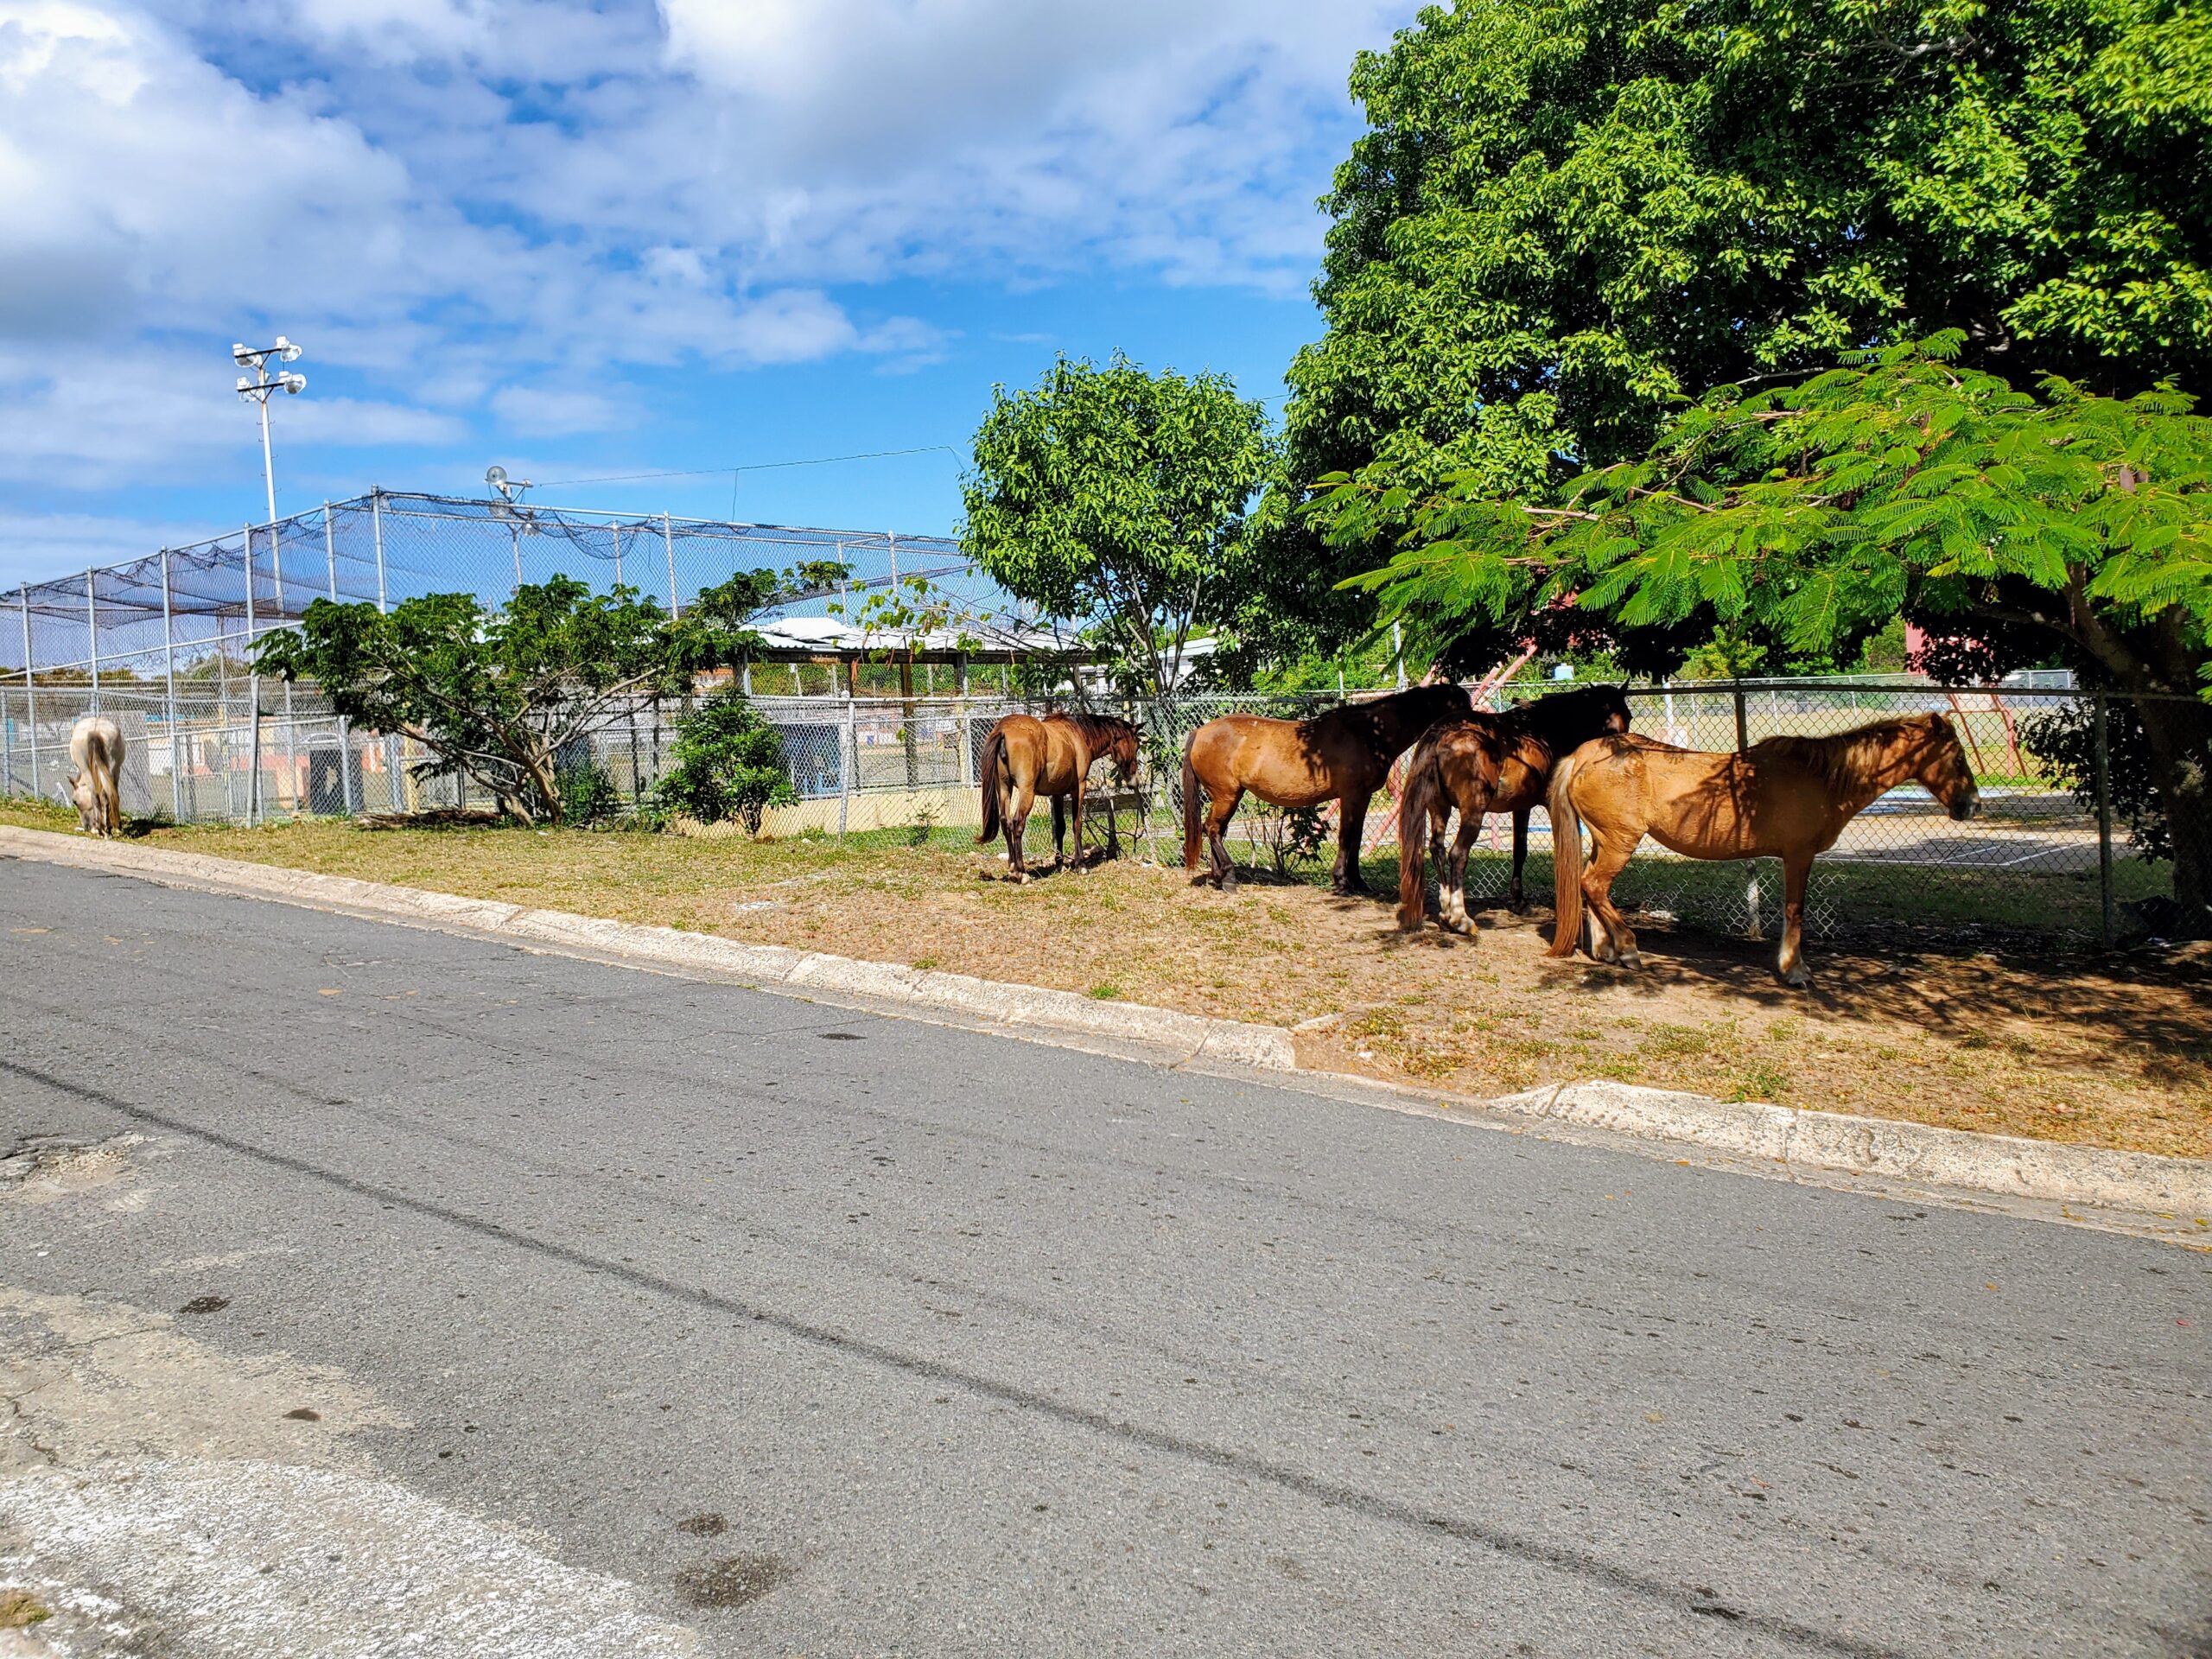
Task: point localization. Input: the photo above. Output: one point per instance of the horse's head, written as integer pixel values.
(1942, 768)
(1613, 712)
(1123, 749)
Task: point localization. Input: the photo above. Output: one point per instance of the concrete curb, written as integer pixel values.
(1910, 1154)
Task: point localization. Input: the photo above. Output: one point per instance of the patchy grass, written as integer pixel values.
(2030, 1039)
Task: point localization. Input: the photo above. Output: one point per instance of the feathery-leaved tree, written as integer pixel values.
(2018, 526)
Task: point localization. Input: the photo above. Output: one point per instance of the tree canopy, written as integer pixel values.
(2018, 525)
(1568, 214)
(1119, 498)
(496, 695)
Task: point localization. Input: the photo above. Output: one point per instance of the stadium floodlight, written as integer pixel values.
(258, 386)
(519, 518)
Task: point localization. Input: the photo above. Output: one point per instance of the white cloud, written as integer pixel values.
(553, 412)
(35, 546)
(495, 206)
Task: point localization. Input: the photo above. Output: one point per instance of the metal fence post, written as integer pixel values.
(291, 727)
(848, 763)
(345, 727)
(92, 639)
(396, 796)
(169, 711)
(1754, 927)
(30, 696)
(253, 695)
(667, 542)
(2104, 820)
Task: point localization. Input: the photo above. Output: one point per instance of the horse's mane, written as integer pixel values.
(1096, 729)
(1843, 761)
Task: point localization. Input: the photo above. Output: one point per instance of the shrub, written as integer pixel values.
(729, 764)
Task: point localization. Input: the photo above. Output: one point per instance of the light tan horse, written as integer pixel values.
(95, 774)
(1025, 757)
(1788, 797)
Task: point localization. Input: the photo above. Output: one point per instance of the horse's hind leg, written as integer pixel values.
(1611, 939)
(1349, 833)
(1016, 817)
(1452, 891)
(1796, 870)
(1218, 813)
(1515, 900)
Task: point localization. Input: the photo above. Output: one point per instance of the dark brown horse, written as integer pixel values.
(1343, 755)
(1788, 797)
(1489, 763)
(1025, 757)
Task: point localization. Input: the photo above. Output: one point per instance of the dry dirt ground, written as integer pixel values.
(2102, 1050)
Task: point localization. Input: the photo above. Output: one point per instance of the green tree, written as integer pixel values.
(730, 763)
(497, 695)
(2015, 525)
(1119, 499)
(1566, 214)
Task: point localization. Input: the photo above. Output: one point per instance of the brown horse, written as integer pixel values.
(1788, 797)
(1343, 755)
(1025, 757)
(1489, 763)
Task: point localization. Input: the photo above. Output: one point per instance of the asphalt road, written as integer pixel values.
(362, 1285)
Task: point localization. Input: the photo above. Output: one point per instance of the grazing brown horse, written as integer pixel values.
(1489, 763)
(1788, 797)
(1343, 755)
(1025, 757)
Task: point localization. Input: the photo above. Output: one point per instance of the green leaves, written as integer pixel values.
(730, 763)
(1117, 497)
(1566, 216)
(1812, 514)
(497, 695)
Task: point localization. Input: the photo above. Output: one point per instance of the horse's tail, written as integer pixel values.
(1567, 860)
(1423, 796)
(994, 766)
(1191, 808)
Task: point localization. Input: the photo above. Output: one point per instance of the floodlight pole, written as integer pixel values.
(259, 388)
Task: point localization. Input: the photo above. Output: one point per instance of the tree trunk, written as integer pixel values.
(540, 766)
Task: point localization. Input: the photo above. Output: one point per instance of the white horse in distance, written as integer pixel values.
(95, 769)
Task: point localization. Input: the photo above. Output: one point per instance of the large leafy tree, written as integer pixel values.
(497, 695)
(2021, 526)
(1119, 499)
(1566, 213)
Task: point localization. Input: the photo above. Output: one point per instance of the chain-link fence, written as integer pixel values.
(164, 645)
(2051, 851)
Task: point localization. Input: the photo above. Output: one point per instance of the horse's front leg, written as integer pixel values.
(1515, 900)
(1015, 816)
(1353, 809)
(1081, 783)
(1797, 872)
(1060, 830)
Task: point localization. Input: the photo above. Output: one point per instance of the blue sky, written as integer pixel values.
(583, 239)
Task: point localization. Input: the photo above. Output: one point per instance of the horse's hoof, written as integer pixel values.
(1797, 978)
